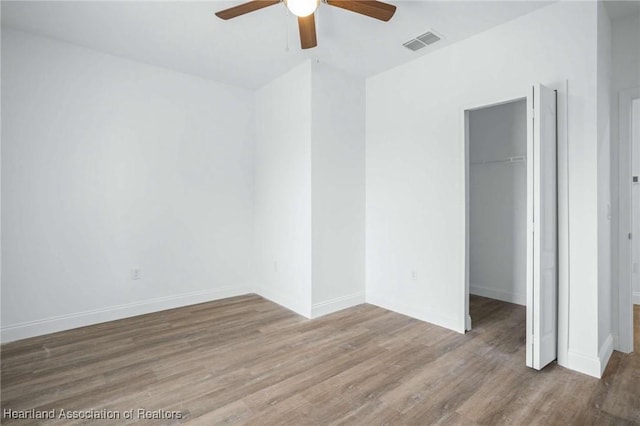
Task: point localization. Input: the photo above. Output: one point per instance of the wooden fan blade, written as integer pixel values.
(307, 26)
(373, 9)
(251, 6)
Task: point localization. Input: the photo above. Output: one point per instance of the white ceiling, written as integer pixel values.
(250, 50)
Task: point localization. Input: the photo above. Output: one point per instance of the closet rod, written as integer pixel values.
(517, 159)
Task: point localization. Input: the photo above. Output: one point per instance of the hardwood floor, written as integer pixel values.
(246, 360)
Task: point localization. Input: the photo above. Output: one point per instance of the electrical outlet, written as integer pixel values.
(414, 275)
(275, 266)
(135, 274)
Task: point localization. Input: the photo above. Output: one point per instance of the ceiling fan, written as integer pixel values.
(305, 9)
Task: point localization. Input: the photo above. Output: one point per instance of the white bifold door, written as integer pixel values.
(542, 241)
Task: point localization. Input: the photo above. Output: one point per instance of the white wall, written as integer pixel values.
(625, 75)
(111, 165)
(108, 165)
(310, 190)
(498, 202)
(338, 176)
(415, 167)
(283, 190)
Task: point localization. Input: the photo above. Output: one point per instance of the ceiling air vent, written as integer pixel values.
(428, 38)
(413, 45)
(422, 40)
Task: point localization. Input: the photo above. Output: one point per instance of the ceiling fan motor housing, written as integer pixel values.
(304, 10)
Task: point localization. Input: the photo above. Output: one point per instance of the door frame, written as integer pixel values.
(562, 88)
(465, 120)
(625, 289)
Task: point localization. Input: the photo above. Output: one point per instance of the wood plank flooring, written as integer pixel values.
(246, 360)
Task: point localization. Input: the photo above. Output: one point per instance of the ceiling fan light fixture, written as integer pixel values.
(302, 8)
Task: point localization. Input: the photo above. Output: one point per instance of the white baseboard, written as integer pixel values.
(584, 364)
(296, 306)
(605, 353)
(636, 298)
(81, 319)
(618, 345)
(457, 325)
(337, 304)
(505, 296)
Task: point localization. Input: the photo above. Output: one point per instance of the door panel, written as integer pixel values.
(542, 242)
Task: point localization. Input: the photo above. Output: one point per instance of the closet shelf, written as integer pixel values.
(517, 159)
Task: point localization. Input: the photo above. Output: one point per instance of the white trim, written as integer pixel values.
(505, 296)
(287, 302)
(564, 225)
(584, 364)
(625, 295)
(337, 304)
(516, 96)
(591, 365)
(605, 353)
(636, 298)
(81, 319)
(421, 314)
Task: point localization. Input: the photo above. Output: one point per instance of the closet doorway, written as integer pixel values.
(511, 226)
(498, 202)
